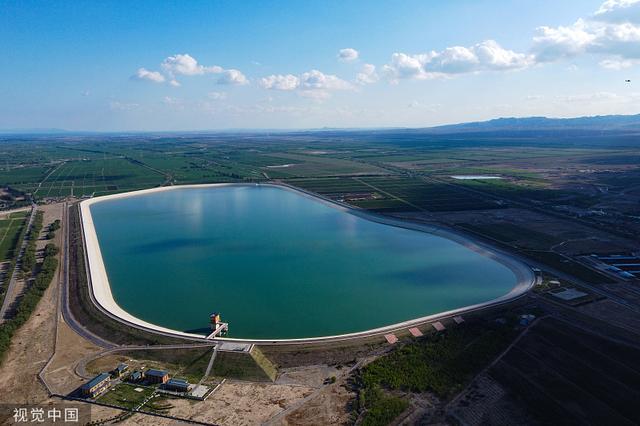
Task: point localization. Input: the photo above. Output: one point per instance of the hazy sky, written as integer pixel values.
(188, 65)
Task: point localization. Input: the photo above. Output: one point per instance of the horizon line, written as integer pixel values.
(54, 131)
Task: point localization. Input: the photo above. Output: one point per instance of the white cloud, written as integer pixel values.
(317, 80)
(485, 56)
(619, 11)
(145, 74)
(562, 42)
(348, 54)
(313, 84)
(493, 57)
(217, 96)
(590, 97)
(232, 77)
(614, 40)
(610, 32)
(422, 106)
(123, 106)
(617, 65)
(185, 64)
(405, 66)
(367, 75)
(280, 82)
(316, 95)
(168, 100)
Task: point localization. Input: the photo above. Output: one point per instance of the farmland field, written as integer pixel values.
(395, 193)
(9, 231)
(389, 172)
(96, 177)
(578, 377)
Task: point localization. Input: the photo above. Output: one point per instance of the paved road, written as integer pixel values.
(69, 319)
(520, 269)
(81, 366)
(10, 296)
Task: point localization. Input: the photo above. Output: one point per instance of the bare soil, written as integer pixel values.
(33, 343)
(329, 407)
(234, 403)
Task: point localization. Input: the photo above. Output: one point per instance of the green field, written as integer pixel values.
(125, 395)
(383, 171)
(9, 232)
(96, 177)
(396, 193)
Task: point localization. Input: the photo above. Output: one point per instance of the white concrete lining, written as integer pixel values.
(100, 288)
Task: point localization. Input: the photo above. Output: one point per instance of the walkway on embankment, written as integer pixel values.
(102, 298)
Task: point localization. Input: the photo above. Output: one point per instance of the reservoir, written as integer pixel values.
(278, 264)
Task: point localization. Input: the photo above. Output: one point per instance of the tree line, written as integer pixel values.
(29, 301)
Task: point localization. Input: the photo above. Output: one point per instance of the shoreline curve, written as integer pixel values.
(101, 296)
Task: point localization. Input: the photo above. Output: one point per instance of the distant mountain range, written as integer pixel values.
(503, 126)
(594, 123)
(35, 131)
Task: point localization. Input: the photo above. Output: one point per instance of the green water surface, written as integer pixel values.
(278, 264)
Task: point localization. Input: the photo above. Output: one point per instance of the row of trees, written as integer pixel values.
(52, 229)
(29, 257)
(28, 302)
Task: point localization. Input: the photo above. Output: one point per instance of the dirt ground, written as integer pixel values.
(312, 376)
(31, 347)
(51, 213)
(33, 344)
(234, 403)
(60, 374)
(329, 407)
(108, 362)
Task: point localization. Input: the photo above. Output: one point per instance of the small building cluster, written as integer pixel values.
(120, 370)
(96, 386)
(626, 266)
(177, 385)
(156, 376)
(136, 376)
(99, 384)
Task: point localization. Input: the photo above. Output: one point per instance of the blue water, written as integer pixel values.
(278, 264)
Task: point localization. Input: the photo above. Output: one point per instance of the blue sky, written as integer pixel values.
(149, 65)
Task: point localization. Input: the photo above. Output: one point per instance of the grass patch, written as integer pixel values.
(242, 366)
(9, 235)
(125, 395)
(159, 404)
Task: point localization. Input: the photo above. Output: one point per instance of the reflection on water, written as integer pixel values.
(278, 264)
